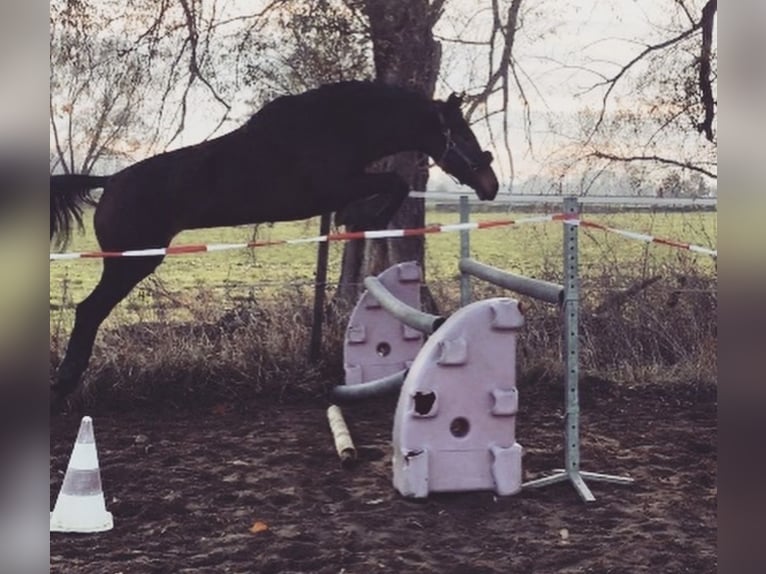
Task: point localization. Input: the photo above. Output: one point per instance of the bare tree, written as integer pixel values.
(93, 100)
(407, 53)
(310, 44)
(698, 93)
(673, 82)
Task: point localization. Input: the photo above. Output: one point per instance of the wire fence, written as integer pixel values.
(282, 256)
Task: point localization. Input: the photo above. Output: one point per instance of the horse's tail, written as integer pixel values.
(68, 195)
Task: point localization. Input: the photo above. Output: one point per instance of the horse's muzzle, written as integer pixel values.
(485, 183)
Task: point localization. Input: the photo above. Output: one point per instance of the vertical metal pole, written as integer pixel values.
(572, 349)
(571, 340)
(571, 311)
(465, 252)
(319, 291)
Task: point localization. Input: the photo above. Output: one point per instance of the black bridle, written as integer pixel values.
(485, 158)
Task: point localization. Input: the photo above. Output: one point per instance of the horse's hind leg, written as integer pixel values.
(118, 278)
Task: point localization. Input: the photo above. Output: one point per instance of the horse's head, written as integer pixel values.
(459, 153)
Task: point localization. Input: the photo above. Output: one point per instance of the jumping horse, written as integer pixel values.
(299, 156)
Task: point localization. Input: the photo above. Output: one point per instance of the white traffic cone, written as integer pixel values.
(80, 505)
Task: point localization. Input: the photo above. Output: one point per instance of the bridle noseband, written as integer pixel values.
(451, 146)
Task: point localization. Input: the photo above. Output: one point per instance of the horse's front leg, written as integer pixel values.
(383, 194)
(118, 278)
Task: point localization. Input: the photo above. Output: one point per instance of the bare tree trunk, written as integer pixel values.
(405, 54)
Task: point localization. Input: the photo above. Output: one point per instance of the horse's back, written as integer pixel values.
(279, 165)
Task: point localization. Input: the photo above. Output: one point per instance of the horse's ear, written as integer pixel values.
(455, 100)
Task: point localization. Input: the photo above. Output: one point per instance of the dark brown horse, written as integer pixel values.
(298, 157)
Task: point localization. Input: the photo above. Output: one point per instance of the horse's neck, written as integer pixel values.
(395, 128)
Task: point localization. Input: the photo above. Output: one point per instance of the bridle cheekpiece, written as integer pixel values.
(451, 146)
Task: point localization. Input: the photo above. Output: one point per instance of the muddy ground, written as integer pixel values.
(185, 489)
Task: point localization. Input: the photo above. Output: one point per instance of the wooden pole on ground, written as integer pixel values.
(343, 443)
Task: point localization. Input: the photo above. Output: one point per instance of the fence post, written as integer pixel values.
(465, 252)
(571, 312)
(319, 290)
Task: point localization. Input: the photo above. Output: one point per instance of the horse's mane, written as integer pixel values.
(348, 93)
(365, 89)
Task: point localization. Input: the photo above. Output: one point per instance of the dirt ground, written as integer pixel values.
(185, 490)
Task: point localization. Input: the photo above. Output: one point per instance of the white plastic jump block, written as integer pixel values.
(376, 343)
(454, 427)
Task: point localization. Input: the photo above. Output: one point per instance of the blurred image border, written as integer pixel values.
(24, 443)
(742, 271)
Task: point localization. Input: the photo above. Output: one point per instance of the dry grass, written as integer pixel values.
(660, 328)
(224, 355)
(244, 351)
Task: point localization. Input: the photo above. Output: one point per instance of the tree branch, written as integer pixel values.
(106, 106)
(655, 158)
(194, 69)
(461, 41)
(502, 67)
(505, 65)
(56, 139)
(435, 11)
(172, 73)
(258, 15)
(686, 10)
(612, 82)
(705, 84)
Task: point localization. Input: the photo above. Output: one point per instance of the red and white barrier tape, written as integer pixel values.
(382, 234)
(645, 238)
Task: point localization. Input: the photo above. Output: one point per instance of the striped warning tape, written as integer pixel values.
(646, 238)
(346, 236)
(382, 234)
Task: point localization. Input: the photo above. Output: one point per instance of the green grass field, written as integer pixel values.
(532, 249)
